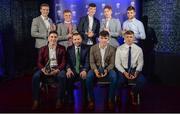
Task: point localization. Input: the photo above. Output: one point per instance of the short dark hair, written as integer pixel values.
(53, 32)
(129, 32)
(76, 34)
(92, 5)
(131, 8)
(44, 4)
(67, 11)
(108, 7)
(104, 33)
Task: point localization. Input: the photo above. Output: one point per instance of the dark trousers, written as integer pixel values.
(60, 79)
(70, 87)
(110, 77)
(139, 82)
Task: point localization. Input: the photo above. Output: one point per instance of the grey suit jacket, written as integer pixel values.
(114, 28)
(62, 33)
(96, 60)
(39, 31)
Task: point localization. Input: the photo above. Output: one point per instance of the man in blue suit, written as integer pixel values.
(77, 66)
(89, 26)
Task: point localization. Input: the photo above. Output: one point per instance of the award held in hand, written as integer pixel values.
(47, 67)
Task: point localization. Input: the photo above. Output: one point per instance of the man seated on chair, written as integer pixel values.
(102, 57)
(54, 55)
(77, 66)
(129, 63)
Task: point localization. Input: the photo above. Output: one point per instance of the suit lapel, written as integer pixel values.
(106, 52)
(87, 24)
(73, 55)
(94, 25)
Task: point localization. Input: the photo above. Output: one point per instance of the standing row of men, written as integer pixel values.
(89, 26)
(87, 63)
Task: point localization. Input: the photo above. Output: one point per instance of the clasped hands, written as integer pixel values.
(130, 76)
(52, 73)
(100, 75)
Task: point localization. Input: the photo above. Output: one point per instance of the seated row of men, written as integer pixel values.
(88, 64)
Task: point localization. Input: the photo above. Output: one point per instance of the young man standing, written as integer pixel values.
(89, 26)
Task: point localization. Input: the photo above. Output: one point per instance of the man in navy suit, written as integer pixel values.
(77, 66)
(89, 26)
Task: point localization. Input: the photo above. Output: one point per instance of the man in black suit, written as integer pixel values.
(77, 66)
(89, 26)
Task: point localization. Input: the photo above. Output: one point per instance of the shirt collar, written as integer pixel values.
(132, 20)
(44, 18)
(102, 48)
(67, 22)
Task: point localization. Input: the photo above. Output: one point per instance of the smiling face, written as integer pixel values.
(77, 40)
(131, 14)
(103, 41)
(44, 11)
(67, 16)
(52, 39)
(129, 39)
(107, 13)
(91, 11)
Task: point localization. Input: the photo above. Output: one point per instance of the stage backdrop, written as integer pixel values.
(79, 8)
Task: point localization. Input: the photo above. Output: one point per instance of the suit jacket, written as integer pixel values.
(84, 58)
(115, 30)
(114, 27)
(43, 56)
(39, 31)
(83, 28)
(62, 31)
(96, 60)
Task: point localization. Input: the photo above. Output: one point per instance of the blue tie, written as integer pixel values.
(129, 58)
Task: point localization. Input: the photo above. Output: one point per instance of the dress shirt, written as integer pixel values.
(136, 26)
(76, 49)
(90, 23)
(52, 57)
(102, 51)
(46, 21)
(121, 59)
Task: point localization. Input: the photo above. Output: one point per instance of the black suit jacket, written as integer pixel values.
(83, 28)
(84, 58)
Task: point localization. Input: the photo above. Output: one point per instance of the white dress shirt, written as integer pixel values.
(52, 57)
(121, 59)
(90, 23)
(102, 51)
(136, 26)
(46, 21)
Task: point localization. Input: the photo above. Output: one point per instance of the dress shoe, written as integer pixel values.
(133, 98)
(59, 104)
(91, 104)
(35, 105)
(118, 100)
(110, 105)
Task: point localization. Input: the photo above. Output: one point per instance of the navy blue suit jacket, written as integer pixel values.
(83, 28)
(84, 58)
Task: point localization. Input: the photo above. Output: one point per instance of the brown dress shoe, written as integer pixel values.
(133, 98)
(110, 105)
(91, 104)
(59, 104)
(35, 105)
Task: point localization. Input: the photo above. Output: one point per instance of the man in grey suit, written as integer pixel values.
(102, 57)
(66, 29)
(112, 25)
(41, 26)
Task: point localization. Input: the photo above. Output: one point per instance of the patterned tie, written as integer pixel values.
(77, 61)
(129, 58)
